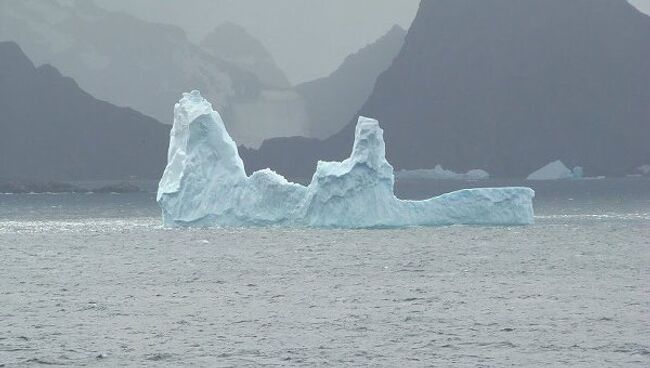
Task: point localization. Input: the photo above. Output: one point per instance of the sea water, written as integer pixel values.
(94, 280)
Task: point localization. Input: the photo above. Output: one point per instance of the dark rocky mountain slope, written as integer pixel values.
(333, 100)
(147, 66)
(53, 130)
(507, 86)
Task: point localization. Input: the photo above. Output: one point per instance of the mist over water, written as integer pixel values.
(94, 280)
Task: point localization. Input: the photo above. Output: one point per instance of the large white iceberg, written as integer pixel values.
(205, 185)
(556, 170)
(439, 173)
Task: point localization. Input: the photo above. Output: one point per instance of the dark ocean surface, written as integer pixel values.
(94, 280)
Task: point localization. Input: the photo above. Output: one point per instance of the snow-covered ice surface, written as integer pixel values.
(205, 185)
(556, 170)
(440, 173)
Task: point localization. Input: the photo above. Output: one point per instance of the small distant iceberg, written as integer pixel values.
(641, 171)
(556, 170)
(205, 185)
(439, 173)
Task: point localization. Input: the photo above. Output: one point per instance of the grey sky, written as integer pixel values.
(307, 38)
(643, 5)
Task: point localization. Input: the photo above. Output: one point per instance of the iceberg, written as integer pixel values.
(205, 185)
(644, 170)
(439, 173)
(556, 170)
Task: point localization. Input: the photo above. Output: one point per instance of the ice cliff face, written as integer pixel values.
(205, 184)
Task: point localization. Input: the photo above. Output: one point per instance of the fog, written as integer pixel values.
(474, 84)
(308, 39)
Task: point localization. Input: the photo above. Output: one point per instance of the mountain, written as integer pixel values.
(232, 43)
(334, 100)
(277, 109)
(506, 86)
(53, 130)
(146, 66)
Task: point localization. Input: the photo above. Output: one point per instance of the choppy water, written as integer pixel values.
(93, 280)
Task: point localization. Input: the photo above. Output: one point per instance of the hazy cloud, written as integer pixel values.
(307, 38)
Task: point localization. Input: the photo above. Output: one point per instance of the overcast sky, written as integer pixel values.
(308, 38)
(643, 5)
